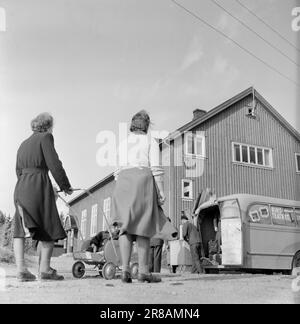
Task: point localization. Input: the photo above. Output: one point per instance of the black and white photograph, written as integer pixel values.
(149, 155)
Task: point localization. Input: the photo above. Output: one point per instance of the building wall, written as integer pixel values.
(226, 177)
(86, 204)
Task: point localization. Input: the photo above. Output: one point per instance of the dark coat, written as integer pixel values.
(190, 233)
(34, 190)
(100, 239)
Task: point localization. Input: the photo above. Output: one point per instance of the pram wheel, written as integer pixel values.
(134, 269)
(109, 271)
(78, 269)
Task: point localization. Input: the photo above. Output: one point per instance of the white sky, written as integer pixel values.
(93, 63)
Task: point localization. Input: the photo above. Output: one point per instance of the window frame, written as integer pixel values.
(297, 212)
(195, 137)
(106, 211)
(256, 148)
(83, 220)
(191, 195)
(296, 161)
(94, 218)
(284, 209)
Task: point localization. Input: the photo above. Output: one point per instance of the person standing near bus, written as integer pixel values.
(156, 247)
(192, 236)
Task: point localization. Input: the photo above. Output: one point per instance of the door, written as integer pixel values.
(231, 233)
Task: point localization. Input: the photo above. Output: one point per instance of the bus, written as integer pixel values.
(255, 232)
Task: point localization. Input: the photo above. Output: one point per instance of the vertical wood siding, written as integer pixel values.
(87, 203)
(226, 177)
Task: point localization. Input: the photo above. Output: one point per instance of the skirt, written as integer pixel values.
(135, 206)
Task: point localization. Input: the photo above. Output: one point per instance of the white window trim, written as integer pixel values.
(106, 210)
(83, 221)
(271, 166)
(94, 217)
(195, 136)
(297, 169)
(191, 197)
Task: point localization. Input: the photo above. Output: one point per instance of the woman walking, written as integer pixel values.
(36, 212)
(137, 198)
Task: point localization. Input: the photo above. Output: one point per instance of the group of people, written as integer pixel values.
(136, 202)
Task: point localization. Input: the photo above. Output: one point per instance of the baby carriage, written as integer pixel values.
(106, 262)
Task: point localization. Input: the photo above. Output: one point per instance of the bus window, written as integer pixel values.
(254, 216)
(259, 214)
(229, 209)
(277, 215)
(297, 216)
(289, 217)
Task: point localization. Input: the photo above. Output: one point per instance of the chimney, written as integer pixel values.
(198, 113)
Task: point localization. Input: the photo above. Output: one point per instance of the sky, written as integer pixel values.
(93, 63)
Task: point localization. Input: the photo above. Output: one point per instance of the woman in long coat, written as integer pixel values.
(36, 212)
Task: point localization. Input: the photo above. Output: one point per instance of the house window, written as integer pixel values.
(94, 220)
(195, 144)
(252, 155)
(237, 152)
(83, 223)
(106, 210)
(187, 189)
(260, 160)
(297, 156)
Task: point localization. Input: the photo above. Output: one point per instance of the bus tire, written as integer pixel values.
(296, 264)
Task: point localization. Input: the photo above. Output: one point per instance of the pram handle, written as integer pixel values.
(58, 191)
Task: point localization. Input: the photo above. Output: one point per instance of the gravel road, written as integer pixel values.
(178, 288)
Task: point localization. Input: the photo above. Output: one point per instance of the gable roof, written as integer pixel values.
(227, 105)
(92, 189)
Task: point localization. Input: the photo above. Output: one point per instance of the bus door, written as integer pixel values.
(231, 233)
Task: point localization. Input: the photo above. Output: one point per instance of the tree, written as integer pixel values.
(2, 218)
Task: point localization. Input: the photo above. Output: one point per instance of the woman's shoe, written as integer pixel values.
(126, 277)
(51, 275)
(25, 276)
(142, 277)
(51, 269)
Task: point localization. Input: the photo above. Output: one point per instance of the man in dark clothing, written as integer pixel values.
(156, 245)
(98, 241)
(192, 236)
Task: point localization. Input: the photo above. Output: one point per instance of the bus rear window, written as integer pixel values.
(259, 214)
(230, 209)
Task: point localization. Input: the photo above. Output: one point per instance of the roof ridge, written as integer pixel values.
(228, 103)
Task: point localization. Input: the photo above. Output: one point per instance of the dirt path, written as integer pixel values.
(175, 289)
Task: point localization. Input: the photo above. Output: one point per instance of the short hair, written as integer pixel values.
(42, 123)
(140, 122)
